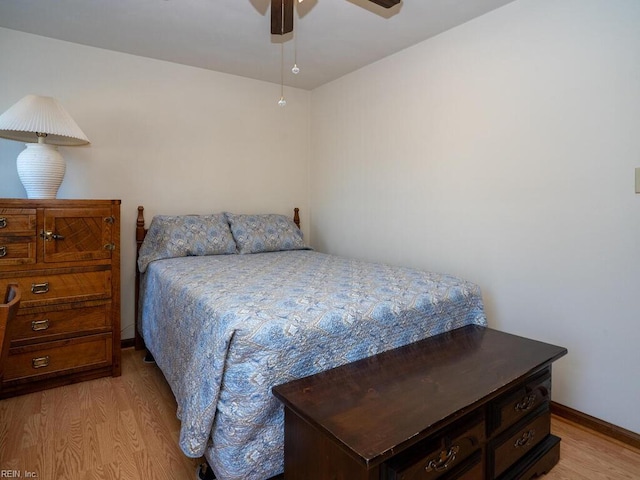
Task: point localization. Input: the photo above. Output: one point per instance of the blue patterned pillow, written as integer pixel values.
(184, 235)
(265, 233)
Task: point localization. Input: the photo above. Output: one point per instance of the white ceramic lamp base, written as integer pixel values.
(41, 170)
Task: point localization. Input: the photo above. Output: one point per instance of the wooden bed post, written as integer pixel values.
(140, 234)
(296, 216)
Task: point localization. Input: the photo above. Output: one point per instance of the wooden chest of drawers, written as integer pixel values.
(65, 256)
(465, 405)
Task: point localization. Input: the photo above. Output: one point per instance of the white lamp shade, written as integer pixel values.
(44, 115)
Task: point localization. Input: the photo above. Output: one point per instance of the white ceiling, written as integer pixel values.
(332, 37)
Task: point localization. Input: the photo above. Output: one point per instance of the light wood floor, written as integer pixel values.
(125, 428)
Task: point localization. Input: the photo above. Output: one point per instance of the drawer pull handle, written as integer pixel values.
(40, 362)
(3, 222)
(110, 246)
(3, 251)
(526, 403)
(110, 220)
(38, 325)
(446, 458)
(48, 236)
(39, 288)
(525, 439)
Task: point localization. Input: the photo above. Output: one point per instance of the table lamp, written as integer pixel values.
(43, 120)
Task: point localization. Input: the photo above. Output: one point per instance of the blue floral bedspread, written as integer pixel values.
(224, 329)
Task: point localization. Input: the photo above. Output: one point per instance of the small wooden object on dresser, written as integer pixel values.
(65, 257)
(469, 404)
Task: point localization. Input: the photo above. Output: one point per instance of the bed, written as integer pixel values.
(232, 305)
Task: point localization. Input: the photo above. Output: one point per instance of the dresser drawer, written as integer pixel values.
(35, 327)
(471, 468)
(17, 250)
(47, 289)
(54, 358)
(520, 402)
(18, 221)
(516, 442)
(472, 471)
(435, 458)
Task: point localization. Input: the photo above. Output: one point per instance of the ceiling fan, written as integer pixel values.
(282, 14)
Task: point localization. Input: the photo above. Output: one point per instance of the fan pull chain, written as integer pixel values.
(282, 102)
(295, 70)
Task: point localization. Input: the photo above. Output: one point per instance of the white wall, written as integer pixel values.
(175, 139)
(504, 151)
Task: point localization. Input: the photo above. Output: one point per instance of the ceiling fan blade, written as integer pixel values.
(281, 16)
(386, 3)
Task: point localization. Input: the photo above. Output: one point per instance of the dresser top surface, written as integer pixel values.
(56, 202)
(374, 405)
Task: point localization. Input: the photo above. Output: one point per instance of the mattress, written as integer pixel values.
(225, 329)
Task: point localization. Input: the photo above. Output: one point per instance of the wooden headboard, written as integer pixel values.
(141, 232)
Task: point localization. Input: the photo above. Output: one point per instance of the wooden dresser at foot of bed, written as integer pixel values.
(65, 257)
(465, 405)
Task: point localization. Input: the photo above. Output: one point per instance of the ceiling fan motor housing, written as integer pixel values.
(386, 3)
(282, 14)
